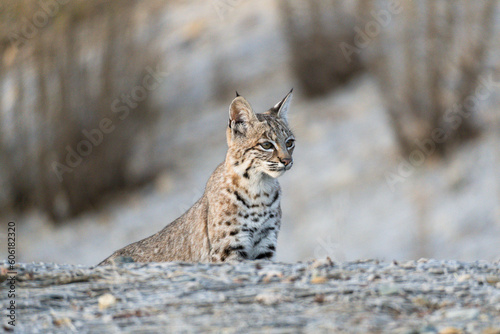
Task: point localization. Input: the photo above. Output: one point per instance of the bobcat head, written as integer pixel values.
(259, 143)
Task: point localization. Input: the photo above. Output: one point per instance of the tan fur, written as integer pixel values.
(239, 215)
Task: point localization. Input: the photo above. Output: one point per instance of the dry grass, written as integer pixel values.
(314, 30)
(431, 67)
(63, 79)
(428, 59)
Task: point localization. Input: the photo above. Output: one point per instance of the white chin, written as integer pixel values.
(275, 174)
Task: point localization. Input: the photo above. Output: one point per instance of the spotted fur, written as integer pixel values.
(239, 215)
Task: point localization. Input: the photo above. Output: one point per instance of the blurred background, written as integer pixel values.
(113, 116)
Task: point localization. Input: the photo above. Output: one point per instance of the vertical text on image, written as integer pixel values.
(11, 273)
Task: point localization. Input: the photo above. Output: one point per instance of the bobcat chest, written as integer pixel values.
(259, 220)
(259, 236)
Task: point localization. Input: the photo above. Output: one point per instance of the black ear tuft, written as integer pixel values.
(280, 109)
(237, 94)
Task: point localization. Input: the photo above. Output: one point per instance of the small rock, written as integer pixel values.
(452, 269)
(436, 271)
(491, 330)
(268, 298)
(335, 275)
(320, 263)
(484, 317)
(472, 327)
(388, 290)
(429, 329)
(290, 279)
(238, 280)
(319, 280)
(423, 260)
(464, 314)
(319, 298)
(106, 301)
(3, 274)
(492, 279)
(373, 277)
(464, 278)
(272, 275)
(59, 322)
(423, 302)
(450, 330)
(8, 328)
(409, 265)
(449, 289)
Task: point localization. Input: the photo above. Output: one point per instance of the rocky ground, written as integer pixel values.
(336, 199)
(425, 296)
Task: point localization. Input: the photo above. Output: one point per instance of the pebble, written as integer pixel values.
(3, 273)
(106, 301)
(436, 271)
(465, 314)
(491, 330)
(335, 275)
(59, 322)
(321, 263)
(409, 265)
(463, 278)
(492, 279)
(429, 329)
(267, 298)
(271, 275)
(450, 330)
(319, 280)
(388, 290)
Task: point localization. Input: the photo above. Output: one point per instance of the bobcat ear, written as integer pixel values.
(240, 112)
(281, 108)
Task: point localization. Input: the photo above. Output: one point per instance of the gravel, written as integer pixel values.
(424, 296)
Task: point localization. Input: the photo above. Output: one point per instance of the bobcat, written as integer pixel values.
(239, 215)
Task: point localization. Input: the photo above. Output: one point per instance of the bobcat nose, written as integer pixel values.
(286, 161)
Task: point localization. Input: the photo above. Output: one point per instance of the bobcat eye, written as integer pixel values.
(267, 145)
(290, 143)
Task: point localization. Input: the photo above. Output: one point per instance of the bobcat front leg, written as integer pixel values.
(226, 252)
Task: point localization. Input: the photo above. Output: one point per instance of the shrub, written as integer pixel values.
(61, 78)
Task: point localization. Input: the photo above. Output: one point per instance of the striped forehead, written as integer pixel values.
(277, 127)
